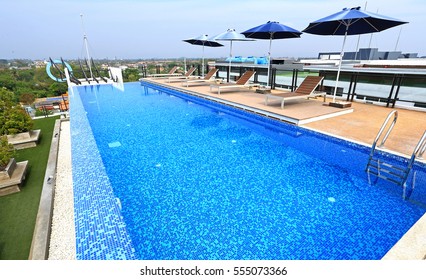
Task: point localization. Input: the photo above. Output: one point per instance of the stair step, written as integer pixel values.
(398, 182)
(388, 165)
(388, 171)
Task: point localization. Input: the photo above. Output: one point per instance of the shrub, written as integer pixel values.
(17, 121)
(6, 152)
(39, 113)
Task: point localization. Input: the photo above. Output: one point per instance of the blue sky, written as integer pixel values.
(155, 28)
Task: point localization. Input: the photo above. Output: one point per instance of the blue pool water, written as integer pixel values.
(162, 175)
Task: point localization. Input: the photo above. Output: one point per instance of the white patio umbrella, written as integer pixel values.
(231, 35)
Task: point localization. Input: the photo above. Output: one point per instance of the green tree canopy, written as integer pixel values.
(13, 118)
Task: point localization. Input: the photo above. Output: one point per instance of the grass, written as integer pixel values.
(18, 211)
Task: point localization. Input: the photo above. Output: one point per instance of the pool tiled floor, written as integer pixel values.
(361, 125)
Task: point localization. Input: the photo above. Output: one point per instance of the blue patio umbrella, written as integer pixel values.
(351, 21)
(203, 41)
(231, 35)
(270, 31)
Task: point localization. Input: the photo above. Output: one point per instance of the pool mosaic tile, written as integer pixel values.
(195, 179)
(100, 230)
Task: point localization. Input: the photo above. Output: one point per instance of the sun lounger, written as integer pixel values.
(208, 78)
(171, 73)
(306, 90)
(242, 82)
(180, 78)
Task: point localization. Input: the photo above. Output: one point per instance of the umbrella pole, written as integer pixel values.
(340, 64)
(202, 63)
(230, 61)
(269, 60)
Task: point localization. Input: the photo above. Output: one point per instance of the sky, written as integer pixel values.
(145, 29)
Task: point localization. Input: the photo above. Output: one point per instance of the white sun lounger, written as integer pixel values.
(306, 90)
(242, 82)
(180, 78)
(171, 73)
(208, 78)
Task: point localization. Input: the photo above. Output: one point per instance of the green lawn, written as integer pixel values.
(18, 211)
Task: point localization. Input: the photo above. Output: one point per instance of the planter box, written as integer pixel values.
(12, 177)
(25, 139)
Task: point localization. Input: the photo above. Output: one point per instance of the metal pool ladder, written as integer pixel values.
(389, 172)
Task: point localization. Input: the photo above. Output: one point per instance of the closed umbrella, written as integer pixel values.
(353, 21)
(231, 35)
(203, 41)
(270, 31)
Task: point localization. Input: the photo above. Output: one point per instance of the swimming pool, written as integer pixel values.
(160, 174)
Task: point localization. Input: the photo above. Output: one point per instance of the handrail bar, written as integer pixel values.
(373, 148)
(421, 146)
(395, 113)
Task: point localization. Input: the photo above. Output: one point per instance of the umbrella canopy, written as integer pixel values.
(231, 35)
(270, 31)
(351, 21)
(203, 41)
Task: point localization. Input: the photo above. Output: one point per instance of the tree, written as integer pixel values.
(6, 100)
(27, 98)
(7, 81)
(57, 89)
(131, 75)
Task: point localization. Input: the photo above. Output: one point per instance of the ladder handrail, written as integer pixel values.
(420, 147)
(418, 152)
(373, 147)
(395, 113)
